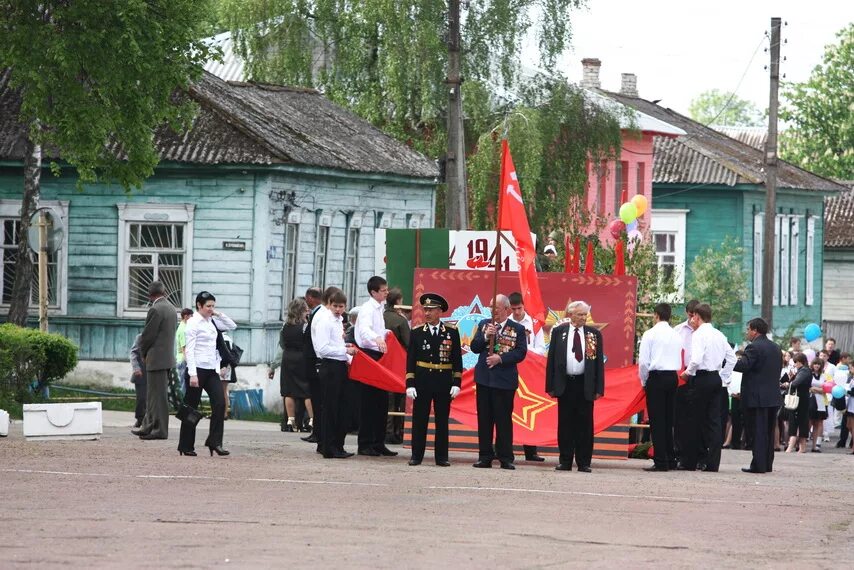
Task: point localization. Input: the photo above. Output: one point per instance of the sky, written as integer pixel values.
(681, 48)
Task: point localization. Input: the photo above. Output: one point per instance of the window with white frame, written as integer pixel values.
(668, 233)
(57, 262)
(786, 259)
(351, 264)
(794, 256)
(155, 244)
(810, 259)
(291, 269)
(321, 249)
(758, 243)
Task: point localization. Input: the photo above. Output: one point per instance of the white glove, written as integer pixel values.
(411, 393)
(455, 391)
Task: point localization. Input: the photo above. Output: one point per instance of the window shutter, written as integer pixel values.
(757, 258)
(793, 264)
(776, 296)
(784, 259)
(810, 260)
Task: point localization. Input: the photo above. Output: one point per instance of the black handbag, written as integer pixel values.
(189, 414)
(838, 403)
(230, 355)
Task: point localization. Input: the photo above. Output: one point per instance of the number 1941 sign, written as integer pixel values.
(476, 250)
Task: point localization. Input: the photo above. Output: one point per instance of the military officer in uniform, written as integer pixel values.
(434, 371)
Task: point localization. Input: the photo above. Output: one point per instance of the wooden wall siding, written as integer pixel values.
(838, 280)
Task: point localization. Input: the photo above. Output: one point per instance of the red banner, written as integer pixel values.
(387, 373)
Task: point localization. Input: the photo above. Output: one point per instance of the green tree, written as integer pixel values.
(820, 113)
(552, 135)
(720, 108)
(718, 277)
(387, 61)
(95, 77)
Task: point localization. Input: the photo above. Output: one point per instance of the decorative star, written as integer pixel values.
(527, 417)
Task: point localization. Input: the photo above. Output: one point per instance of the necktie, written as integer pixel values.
(434, 330)
(576, 346)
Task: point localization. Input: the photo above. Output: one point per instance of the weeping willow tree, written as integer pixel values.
(552, 135)
(387, 59)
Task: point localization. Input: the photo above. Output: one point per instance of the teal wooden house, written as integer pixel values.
(272, 190)
(708, 186)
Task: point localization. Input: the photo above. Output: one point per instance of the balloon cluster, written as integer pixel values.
(628, 221)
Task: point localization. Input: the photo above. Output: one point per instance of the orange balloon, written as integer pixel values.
(640, 203)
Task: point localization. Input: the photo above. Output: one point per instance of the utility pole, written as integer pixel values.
(771, 180)
(456, 203)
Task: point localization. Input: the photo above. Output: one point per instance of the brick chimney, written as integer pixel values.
(590, 77)
(629, 85)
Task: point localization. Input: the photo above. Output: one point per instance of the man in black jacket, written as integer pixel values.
(760, 392)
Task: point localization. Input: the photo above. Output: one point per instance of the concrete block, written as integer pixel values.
(80, 420)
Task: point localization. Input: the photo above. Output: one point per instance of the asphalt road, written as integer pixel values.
(124, 503)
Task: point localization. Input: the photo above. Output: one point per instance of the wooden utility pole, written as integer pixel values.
(43, 288)
(456, 203)
(771, 180)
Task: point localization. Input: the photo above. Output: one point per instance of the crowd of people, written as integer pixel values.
(702, 396)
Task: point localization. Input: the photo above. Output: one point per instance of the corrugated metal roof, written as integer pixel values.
(642, 121)
(241, 123)
(839, 219)
(705, 156)
(232, 66)
(751, 136)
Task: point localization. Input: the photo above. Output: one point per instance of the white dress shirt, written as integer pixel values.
(327, 336)
(710, 348)
(535, 340)
(573, 367)
(685, 332)
(660, 349)
(200, 334)
(370, 325)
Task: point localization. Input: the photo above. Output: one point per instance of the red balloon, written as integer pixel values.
(616, 227)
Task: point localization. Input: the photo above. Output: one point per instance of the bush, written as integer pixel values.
(28, 355)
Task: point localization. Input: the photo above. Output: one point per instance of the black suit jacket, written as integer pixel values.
(594, 361)
(504, 375)
(760, 367)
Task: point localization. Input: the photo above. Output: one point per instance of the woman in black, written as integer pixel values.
(799, 421)
(293, 381)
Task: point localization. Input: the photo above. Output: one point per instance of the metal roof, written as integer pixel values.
(232, 66)
(637, 119)
(752, 136)
(839, 219)
(244, 123)
(705, 156)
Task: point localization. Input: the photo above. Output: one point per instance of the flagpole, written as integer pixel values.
(498, 237)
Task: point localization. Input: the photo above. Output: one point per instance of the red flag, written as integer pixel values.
(588, 261)
(535, 413)
(620, 262)
(567, 255)
(512, 216)
(576, 256)
(387, 373)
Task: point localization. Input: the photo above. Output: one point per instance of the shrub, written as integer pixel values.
(28, 355)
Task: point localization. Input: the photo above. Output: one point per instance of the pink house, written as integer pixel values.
(611, 183)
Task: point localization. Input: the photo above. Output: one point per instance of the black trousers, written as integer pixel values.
(724, 396)
(681, 418)
(315, 389)
(210, 382)
(705, 421)
(140, 385)
(575, 424)
(373, 412)
(333, 376)
(843, 431)
(435, 391)
(495, 414)
(764, 420)
(737, 414)
(660, 402)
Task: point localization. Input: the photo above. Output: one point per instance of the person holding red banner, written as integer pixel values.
(575, 375)
(434, 371)
(501, 344)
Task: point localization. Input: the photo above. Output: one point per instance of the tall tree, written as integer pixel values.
(721, 108)
(387, 60)
(819, 113)
(96, 78)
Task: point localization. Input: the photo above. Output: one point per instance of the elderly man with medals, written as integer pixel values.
(434, 370)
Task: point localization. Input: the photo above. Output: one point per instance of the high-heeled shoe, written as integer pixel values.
(190, 453)
(219, 450)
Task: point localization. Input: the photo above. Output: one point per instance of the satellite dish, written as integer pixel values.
(55, 230)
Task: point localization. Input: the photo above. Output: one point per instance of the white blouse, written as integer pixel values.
(201, 341)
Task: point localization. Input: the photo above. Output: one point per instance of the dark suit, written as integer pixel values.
(760, 395)
(575, 395)
(496, 389)
(157, 347)
(312, 377)
(433, 365)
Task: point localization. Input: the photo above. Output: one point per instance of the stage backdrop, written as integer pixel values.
(613, 301)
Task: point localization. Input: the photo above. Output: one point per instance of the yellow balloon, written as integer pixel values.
(641, 204)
